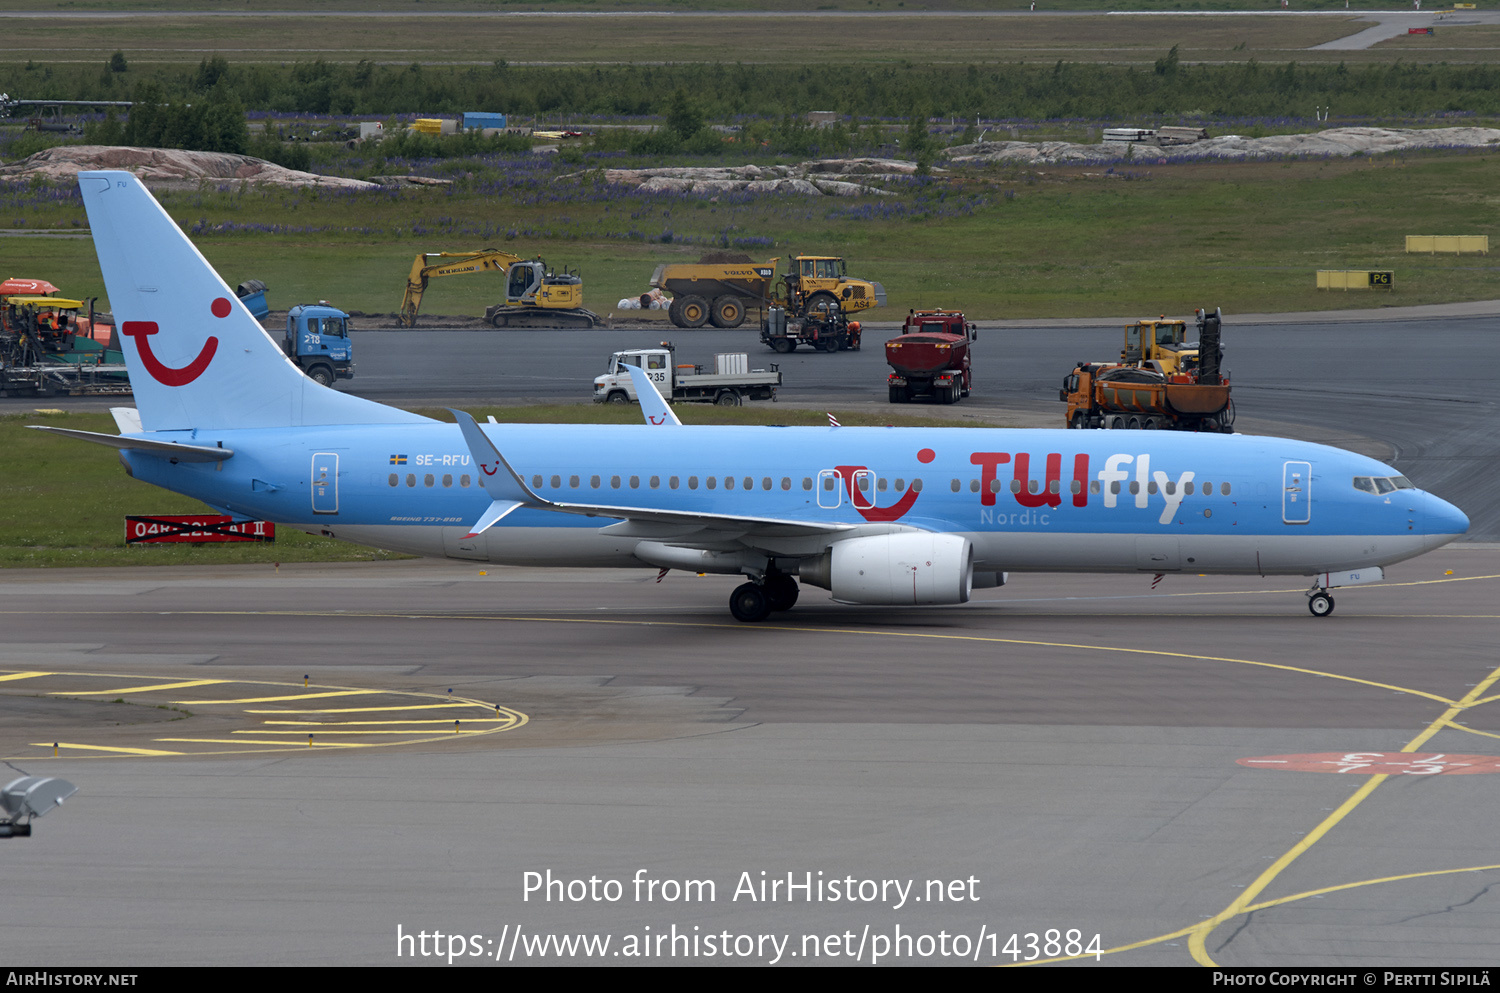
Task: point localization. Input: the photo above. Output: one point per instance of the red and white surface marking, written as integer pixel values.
(1372, 763)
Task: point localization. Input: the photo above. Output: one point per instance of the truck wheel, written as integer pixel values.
(825, 302)
(1150, 424)
(674, 312)
(898, 394)
(782, 345)
(1117, 422)
(728, 312)
(1078, 421)
(829, 344)
(321, 374)
(618, 397)
(694, 311)
(729, 398)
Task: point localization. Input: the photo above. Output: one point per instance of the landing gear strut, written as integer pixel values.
(1320, 603)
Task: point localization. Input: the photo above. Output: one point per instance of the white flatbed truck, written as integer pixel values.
(731, 383)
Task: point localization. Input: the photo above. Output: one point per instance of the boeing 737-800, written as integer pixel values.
(904, 516)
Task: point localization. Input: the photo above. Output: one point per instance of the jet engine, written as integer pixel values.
(907, 568)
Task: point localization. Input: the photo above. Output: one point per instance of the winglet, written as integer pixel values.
(653, 405)
(500, 485)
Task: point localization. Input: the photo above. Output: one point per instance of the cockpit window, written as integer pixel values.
(1381, 485)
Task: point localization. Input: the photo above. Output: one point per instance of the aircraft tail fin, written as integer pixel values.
(196, 356)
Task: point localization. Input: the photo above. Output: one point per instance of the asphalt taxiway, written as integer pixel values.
(1073, 754)
(336, 764)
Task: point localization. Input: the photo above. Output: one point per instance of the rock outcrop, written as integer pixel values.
(804, 178)
(157, 166)
(1334, 141)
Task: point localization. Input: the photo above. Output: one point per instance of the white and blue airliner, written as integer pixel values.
(898, 516)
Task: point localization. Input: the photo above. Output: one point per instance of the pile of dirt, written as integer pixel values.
(159, 167)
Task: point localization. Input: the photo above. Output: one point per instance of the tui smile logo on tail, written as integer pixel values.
(165, 374)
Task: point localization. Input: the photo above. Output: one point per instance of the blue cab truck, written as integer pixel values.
(317, 339)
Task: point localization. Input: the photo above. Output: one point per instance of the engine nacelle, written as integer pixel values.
(907, 568)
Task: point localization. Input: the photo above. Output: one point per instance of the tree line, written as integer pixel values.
(729, 92)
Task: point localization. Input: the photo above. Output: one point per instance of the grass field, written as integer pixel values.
(1005, 243)
(685, 38)
(511, 8)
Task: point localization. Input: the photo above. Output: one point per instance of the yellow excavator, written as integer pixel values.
(535, 296)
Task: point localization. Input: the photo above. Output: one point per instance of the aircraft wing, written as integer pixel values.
(771, 527)
(510, 492)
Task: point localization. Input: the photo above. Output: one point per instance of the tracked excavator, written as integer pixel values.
(535, 296)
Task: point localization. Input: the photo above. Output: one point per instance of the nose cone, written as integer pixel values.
(1444, 522)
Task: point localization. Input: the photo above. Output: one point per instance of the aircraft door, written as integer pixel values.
(830, 489)
(1296, 492)
(325, 483)
(862, 489)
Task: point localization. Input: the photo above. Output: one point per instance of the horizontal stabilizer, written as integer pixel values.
(161, 449)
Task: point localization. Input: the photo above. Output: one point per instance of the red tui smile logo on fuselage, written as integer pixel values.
(864, 503)
(141, 332)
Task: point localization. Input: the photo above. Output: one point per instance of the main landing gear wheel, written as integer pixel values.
(749, 603)
(1320, 603)
(781, 592)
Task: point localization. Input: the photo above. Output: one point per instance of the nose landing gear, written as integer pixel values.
(1319, 602)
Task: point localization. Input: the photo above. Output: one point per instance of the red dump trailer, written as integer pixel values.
(931, 357)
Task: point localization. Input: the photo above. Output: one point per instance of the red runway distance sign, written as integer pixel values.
(195, 528)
